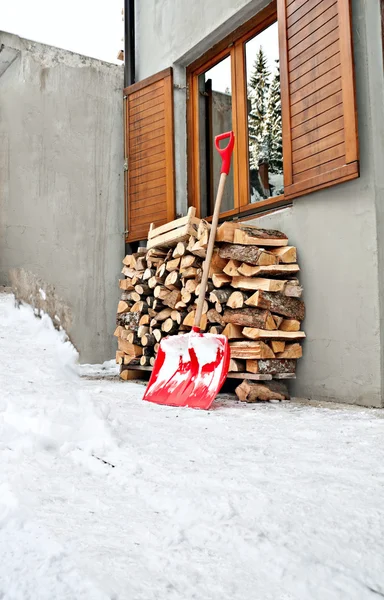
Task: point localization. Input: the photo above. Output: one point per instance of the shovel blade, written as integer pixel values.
(189, 370)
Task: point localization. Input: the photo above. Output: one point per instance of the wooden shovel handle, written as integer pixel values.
(226, 158)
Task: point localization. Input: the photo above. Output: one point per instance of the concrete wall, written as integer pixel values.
(61, 187)
(339, 231)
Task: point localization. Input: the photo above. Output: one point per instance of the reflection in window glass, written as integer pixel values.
(265, 140)
(215, 117)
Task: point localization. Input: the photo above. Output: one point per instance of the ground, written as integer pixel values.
(244, 502)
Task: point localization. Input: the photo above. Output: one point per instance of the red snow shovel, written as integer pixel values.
(190, 369)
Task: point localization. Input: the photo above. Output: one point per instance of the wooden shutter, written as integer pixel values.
(150, 179)
(320, 144)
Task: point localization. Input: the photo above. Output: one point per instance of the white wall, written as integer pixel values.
(335, 230)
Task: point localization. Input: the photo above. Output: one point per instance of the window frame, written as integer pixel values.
(233, 46)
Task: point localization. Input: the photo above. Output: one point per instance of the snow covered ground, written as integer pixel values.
(244, 502)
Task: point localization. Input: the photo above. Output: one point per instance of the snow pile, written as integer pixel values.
(105, 496)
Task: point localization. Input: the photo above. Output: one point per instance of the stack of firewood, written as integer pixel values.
(252, 297)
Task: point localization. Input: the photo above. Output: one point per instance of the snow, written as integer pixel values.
(105, 496)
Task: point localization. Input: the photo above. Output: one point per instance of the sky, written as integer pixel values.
(221, 73)
(90, 27)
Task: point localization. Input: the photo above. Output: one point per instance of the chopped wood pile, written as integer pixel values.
(253, 297)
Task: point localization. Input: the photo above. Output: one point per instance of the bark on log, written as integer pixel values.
(214, 317)
(248, 254)
(220, 295)
(271, 366)
(249, 317)
(255, 236)
(278, 303)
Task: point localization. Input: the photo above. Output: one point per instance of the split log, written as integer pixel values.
(189, 261)
(220, 295)
(145, 361)
(205, 307)
(217, 263)
(144, 320)
(173, 264)
(118, 330)
(218, 308)
(285, 254)
(191, 242)
(277, 346)
(119, 357)
(157, 335)
(258, 283)
(180, 305)
(208, 289)
(143, 290)
(199, 248)
(178, 316)
(233, 332)
(250, 235)
(191, 273)
(131, 349)
(148, 340)
(248, 350)
(236, 366)
(125, 284)
(133, 338)
(237, 300)
(291, 351)
(249, 391)
(231, 268)
(186, 296)
(248, 254)
(172, 298)
(290, 325)
(278, 320)
(148, 273)
(254, 333)
(123, 307)
(214, 317)
(169, 326)
(189, 319)
(225, 232)
(278, 303)
(163, 314)
(269, 270)
(154, 281)
(172, 281)
(142, 330)
(140, 307)
(162, 270)
(180, 250)
(216, 329)
(250, 317)
(191, 285)
(152, 360)
(271, 366)
(160, 292)
(219, 280)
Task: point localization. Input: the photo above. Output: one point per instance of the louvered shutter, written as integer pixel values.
(149, 151)
(320, 144)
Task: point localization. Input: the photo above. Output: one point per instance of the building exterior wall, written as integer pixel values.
(338, 231)
(61, 188)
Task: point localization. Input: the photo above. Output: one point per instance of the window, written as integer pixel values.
(292, 137)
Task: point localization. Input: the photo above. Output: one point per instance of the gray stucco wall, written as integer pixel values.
(61, 187)
(339, 232)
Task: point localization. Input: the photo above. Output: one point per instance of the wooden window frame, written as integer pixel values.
(232, 46)
(296, 182)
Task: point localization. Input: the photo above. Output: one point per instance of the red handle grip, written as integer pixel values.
(226, 152)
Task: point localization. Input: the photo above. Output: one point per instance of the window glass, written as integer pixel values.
(265, 140)
(215, 117)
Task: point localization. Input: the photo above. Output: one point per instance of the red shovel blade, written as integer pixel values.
(189, 370)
